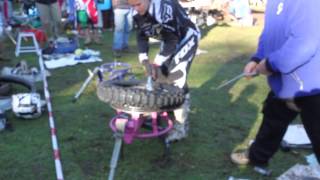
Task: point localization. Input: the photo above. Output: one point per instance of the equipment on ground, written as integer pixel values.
(3, 121)
(26, 105)
(139, 106)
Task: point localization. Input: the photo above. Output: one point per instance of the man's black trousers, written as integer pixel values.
(276, 119)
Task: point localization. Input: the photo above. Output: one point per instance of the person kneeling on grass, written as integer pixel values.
(167, 20)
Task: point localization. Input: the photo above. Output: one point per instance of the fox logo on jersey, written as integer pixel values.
(185, 49)
(167, 13)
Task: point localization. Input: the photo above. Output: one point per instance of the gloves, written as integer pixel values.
(151, 69)
(157, 73)
(147, 67)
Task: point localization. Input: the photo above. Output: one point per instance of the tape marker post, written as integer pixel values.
(53, 130)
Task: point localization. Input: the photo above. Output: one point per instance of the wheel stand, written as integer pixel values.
(126, 126)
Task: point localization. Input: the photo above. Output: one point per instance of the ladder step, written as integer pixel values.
(27, 49)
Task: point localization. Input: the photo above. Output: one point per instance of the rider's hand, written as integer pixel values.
(146, 65)
(151, 69)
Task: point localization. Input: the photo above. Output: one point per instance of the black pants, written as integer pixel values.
(107, 16)
(276, 119)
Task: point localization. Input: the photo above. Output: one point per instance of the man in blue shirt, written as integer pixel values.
(288, 54)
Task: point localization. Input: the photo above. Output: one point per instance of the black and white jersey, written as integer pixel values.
(165, 20)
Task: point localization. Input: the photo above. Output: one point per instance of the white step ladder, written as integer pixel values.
(27, 49)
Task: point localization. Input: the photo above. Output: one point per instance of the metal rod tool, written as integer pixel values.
(235, 78)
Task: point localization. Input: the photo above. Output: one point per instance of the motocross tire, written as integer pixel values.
(4, 89)
(133, 96)
(15, 80)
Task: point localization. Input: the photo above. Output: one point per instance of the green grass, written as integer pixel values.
(221, 121)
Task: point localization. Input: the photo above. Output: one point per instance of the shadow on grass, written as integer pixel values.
(206, 29)
(220, 120)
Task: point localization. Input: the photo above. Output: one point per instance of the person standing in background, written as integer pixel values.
(50, 16)
(6, 6)
(122, 26)
(105, 6)
(240, 12)
(87, 16)
(99, 25)
(1, 34)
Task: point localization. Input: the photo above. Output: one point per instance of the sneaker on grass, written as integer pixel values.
(240, 158)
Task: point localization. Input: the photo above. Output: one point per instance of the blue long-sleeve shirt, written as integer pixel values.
(290, 42)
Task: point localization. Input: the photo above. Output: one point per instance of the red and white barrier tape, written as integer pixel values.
(54, 140)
